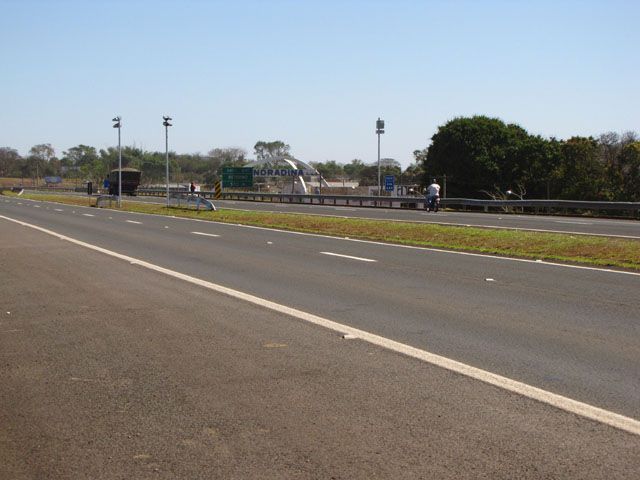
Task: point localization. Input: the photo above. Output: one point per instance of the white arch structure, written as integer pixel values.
(295, 164)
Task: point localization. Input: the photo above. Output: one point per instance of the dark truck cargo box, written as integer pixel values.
(130, 181)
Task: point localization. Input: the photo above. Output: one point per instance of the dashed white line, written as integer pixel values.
(206, 234)
(349, 257)
(430, 249)
(133, 221)
(88, 215)
(58, 210)
(585, 410)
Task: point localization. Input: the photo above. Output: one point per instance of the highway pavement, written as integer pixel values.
(576, 225)
(572, 332)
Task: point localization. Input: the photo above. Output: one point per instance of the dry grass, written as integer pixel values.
(581, 249)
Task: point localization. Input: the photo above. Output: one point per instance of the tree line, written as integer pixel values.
(479, 156)
(484, 156)
(86, 163)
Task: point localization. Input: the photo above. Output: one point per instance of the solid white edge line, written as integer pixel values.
(582, 409)
(349, 257)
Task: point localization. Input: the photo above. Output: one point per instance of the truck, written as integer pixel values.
(130, 181)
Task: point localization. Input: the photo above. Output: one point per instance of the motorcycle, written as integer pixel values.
(433, 203)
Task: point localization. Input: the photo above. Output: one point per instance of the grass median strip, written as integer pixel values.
(580, 249)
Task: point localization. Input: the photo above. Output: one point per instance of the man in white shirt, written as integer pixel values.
(433, 194)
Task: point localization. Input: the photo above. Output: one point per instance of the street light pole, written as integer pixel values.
(379, 131)
(166, 144)
(118, 125)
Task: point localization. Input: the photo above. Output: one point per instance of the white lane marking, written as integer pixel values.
(133, 221)
(206, 234)
(347, 209)
(88, 215)
(561, 402)
(413, 247)
(573, 223)
(36, 206)
(427, 249)
(58, 210)
(349, 257)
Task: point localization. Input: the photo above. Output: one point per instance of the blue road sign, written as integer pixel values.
(389, 183)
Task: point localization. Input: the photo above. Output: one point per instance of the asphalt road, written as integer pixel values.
(576, 225)
(570, 331)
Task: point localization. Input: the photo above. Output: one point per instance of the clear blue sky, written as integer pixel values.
(315, 74)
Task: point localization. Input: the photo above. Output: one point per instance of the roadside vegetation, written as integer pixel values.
(578, 249)
(475, 157)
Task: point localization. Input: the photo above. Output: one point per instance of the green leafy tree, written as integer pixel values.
(43, 152)
(476, 154)
(330, 170)
(583, 174)
(76, 158)
(369, 175)
(218, 158)
(265, 150)
(353, 170)
(413, 175)
(629, 160)
(154, 166)
(9, 162)
(538, 161)
(40, 160)
(390, 166)
(479, 154)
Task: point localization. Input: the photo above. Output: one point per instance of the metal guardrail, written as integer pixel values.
(190, 201)
(104, 200)
(563, 207)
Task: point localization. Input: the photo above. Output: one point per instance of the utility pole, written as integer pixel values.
(118, 125)
(166, 144)
(379, 131)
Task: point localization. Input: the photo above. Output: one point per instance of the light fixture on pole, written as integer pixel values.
(118, 125)
(379, 131)
(166, 145)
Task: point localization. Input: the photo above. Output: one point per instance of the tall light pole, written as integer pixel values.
(118, 125)
(379, 131)
(166, 148)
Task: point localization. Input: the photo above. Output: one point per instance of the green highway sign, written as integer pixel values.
(237, 177)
